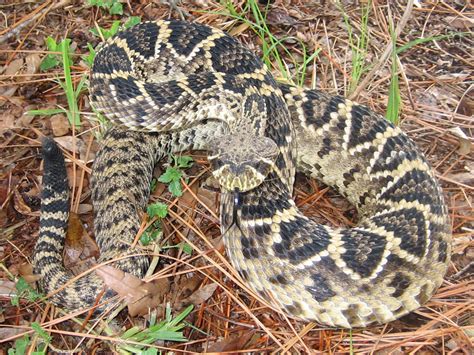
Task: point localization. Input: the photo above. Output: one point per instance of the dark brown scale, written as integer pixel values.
(184, 38)
(364, 250)
(400, 282)
(143, 40)
(321, 291)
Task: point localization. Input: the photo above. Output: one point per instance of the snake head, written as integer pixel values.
(241, 162)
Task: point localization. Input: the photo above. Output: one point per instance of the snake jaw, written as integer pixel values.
(241, 162)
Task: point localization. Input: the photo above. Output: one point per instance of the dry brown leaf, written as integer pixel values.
(208, 197)
(157, 289)
(10, 70)
(7, 288)
(69, 143)
(80, 250)
(139, 295)
(10, 332)
(33, 62)
(277, 16)
(185, 286)
(466, 105)
(84, 208)
(466, 178)
(234, 343)
(21, 206)
(459, 22)
(201, 295)
(59, 124)
(187, 199)
(14, 66)
(25, 270)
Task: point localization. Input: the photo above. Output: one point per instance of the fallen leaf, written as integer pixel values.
(80, 250)
(33, 62)
(21, 206)
(277, 16)
(14, 67)
(466, 178)
(84, 208)
(466, 105)
(201, 295)
(209, 198)
(7, 288)
(60, 125)
(459, 22)
(69, 143)
(6, 332)
(236, 342)
(139, 295)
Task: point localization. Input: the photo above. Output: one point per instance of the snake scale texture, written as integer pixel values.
(171, 86)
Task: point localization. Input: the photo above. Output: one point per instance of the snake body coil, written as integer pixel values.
(203, 90)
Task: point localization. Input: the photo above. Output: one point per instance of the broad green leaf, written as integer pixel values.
(171, 174)
(157, 209)
(175, 188)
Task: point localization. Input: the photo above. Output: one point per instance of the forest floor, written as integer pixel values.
(340, 48)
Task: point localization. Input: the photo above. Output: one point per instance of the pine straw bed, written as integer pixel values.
(435, 81)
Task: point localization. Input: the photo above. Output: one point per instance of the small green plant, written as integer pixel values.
(157, 210)
(89, 58)
(188, 249)
(358, 44)
(174, 172)
(114, 7)
(53, 60)
(115, 27)
(72, 94)
(167, 330)
(24, 290)
(271, 45)
(106, 33)
(41, 332)
(21, 345)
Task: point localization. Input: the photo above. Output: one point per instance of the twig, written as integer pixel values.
(41, 10)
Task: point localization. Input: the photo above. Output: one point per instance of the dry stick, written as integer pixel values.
(17, 27)
(37, 13)
(386, 54)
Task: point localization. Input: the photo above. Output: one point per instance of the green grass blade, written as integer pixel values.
(418, 41)
(394, 98)
(46, 112)
(73, 113)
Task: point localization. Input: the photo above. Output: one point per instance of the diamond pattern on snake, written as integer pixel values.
(170, 86)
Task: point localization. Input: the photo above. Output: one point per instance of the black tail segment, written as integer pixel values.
(55, 184)
(48, 256)
(47, 260)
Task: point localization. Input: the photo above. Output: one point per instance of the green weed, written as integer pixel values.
(271, 45)
(24, 290)
(22, 344)
(115, 27)
(114, 7)
(53, 60)
(170, 329)
(72, 93)
(174, 172)
(358, 44)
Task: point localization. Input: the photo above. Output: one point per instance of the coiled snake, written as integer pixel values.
(203, 90)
